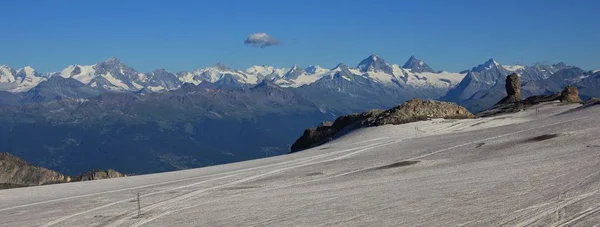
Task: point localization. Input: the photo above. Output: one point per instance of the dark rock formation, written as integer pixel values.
(569, 94)
(99, 174)
(513, 89)
(325, 131)
(410, 111)
(417, 110)
(16, 172)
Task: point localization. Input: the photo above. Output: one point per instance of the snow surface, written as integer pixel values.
(157, 88)
(428, 79)
(265, 70)
(380, 76)
(118, 84)
(88, 73)
(474, 172)
(513, 68)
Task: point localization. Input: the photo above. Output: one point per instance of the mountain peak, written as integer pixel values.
(416, 65)
(560, 65)
(160, 70)
(221, 66)
(312, 69)
(491, 62)
(340, 66)
(374, 63)
(112, 60)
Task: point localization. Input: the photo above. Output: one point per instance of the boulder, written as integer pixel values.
(570, 94)
(513, 89)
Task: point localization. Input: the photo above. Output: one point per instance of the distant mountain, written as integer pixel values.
(483, 85)
(417, 66)
(114, 76)
(19, 80)
(481, 77)
(56, 88)
(590, 84)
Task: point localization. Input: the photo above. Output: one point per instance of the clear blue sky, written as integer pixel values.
(183, 35)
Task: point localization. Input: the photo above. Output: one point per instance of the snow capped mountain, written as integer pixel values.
(27, 78)
(7, 75)
(537, 71)
(415, 75)
(375, 64)
(160, 80)
(220, 72)
(417, 66)
(481, 77)
(20, 80)
(114, 76)
(490, 64)
(296, 76)
(266, 71)
(514, 68)
(83, 74)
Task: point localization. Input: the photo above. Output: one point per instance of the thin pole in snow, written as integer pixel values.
(139, 206)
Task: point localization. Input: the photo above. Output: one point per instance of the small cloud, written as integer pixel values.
(261, 40)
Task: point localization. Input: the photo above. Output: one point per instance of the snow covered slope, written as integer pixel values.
(533, 168)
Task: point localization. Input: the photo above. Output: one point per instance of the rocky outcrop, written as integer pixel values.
(410, 111)
(570, 94)
(16, 172)
(99, 175)
(325, 131)
(417, 110)
(513, 89)
(512, 103)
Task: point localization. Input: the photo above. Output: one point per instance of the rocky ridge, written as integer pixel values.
(16, 172)
(410, 111)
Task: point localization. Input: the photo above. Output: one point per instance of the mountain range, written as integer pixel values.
(108, 115)
(114, 76)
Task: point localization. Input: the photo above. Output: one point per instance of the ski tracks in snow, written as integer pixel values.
(292, 164)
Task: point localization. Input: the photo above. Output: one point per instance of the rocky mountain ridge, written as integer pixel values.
(16, 172)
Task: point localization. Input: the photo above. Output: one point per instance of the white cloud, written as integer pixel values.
(261, 40)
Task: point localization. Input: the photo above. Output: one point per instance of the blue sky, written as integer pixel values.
(183, 35)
